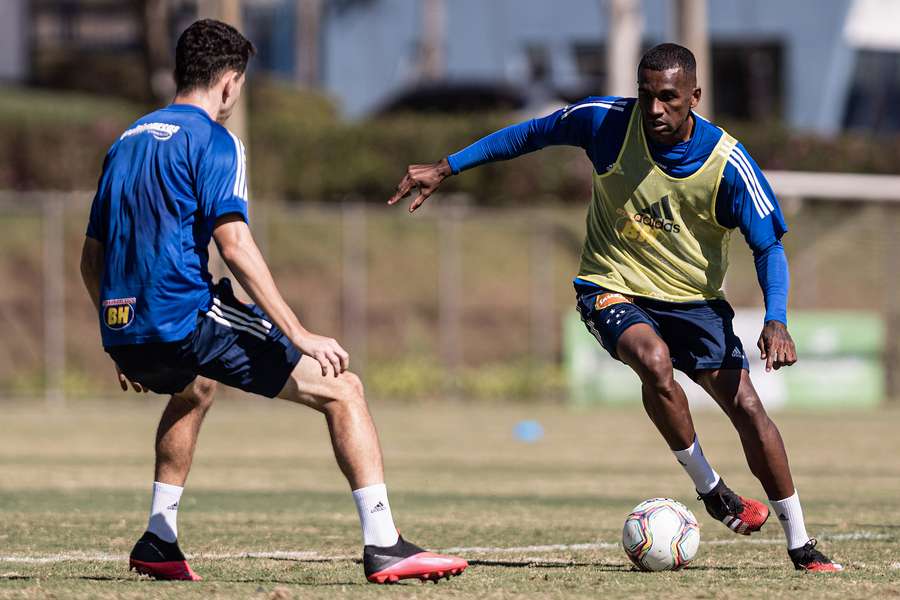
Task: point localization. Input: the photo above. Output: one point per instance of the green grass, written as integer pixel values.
(75, 483)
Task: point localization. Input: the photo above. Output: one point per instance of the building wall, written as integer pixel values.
(370, 47)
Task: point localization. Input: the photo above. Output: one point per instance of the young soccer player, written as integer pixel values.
(669, 187)
(174, 180)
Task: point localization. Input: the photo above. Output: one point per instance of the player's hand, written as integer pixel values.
(123, 382)
(776, 346)
(326, 351)
(424, 178)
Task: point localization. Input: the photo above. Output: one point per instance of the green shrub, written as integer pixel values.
(300, 150)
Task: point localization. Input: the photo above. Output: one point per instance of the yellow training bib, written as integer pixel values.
(649, 234)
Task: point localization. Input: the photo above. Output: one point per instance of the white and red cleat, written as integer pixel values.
(404, 560)
(741, 515)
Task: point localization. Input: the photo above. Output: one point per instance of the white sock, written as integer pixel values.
(375, 516)
(790, 515)
(693, 461)
(164, 511)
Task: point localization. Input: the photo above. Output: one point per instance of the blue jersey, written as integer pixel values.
(164, 183)
(598, 125)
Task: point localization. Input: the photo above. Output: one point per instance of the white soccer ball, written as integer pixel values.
(661, 534)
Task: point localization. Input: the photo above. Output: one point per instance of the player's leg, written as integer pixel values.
(157, 553)
(641, 348)
(764, 448)
(630, 335)
(387, 557)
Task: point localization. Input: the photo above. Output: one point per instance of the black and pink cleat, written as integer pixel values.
(407, 561)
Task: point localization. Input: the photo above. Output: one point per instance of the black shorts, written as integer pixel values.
(233, 343)
(699, 335)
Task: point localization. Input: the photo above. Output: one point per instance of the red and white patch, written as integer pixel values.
(610, 299)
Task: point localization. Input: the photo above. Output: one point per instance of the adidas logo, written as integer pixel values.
(736, 353)
(378, 508)
(659, 216)
(172, 506)
(782, 517)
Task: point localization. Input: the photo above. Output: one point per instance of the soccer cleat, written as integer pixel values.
(741, 515)
(160, 560)
(390, 564)
(807, 558)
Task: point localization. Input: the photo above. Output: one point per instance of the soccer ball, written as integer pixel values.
(660, 534)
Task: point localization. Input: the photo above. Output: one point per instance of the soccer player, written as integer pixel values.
(668, 188)
(174, 180)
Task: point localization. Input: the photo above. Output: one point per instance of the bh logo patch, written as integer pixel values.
(118, 313)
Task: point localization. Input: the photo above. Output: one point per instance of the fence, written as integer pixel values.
(455, 299)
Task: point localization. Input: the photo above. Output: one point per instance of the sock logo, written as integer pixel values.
(782, 517)
(378, 508)
(172, 506)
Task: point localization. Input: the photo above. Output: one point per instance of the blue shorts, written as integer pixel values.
(699, 335)
(233, 343)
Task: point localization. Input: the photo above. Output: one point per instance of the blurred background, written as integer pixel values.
(472, 297)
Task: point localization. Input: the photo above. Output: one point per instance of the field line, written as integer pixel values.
(313, 556)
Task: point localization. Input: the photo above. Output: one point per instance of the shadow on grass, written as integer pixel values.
(599, 565)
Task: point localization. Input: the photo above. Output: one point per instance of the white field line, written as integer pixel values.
(312, 556)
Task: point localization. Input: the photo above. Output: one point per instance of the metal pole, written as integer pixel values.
(626, 28)
(229, 11)
(431, 65)
(354, 280)
(306, 46)
(692, 31)
(449, 287)
(543, 328)
(54, 301)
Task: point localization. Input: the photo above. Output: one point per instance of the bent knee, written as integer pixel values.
(656, 367)
(351, 388)
(201, 392)
(346, 391)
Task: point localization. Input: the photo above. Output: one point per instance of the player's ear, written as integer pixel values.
(232, 87)
(695, 97)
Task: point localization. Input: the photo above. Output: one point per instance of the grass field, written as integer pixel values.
(267, 515)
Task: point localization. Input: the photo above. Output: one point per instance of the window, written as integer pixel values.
(871, 101)
(747, 80)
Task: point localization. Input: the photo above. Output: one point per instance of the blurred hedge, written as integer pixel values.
(299, 148)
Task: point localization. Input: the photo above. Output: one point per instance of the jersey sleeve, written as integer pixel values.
(574, 125)
(746, 200)
(222, 180)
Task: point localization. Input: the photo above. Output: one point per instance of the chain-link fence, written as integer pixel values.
(455, 299)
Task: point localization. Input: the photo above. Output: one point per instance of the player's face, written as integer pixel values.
(666, 99)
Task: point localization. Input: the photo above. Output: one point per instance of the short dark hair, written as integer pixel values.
(668, 56)
(207, 49)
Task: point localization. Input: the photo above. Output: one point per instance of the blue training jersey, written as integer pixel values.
(165, 182)
(598, 124)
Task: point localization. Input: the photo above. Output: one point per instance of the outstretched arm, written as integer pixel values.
(573, 126)
(243, 257)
